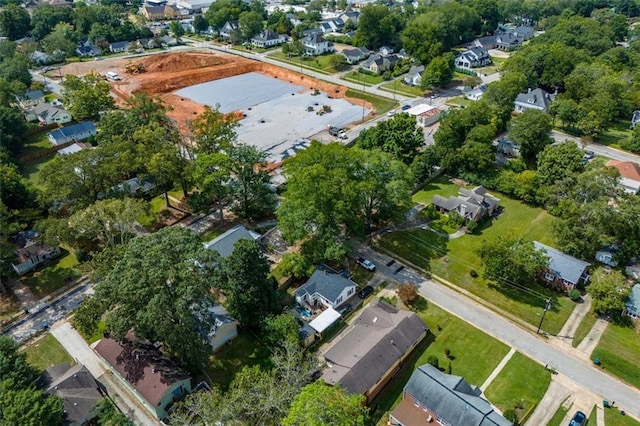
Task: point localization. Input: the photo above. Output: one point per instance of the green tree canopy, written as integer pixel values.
(320, 404)
(398, 136)
(439, 72)
(160, 287)
(609, 291)
(86, 97)
(557, 162)
(531, 130)
(15, 22)
(511, 260)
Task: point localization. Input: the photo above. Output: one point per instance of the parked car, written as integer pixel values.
(335, 131)
(342, 135)
(406, 107)
(589, 155)
(365, 292)
(579, 419)
(366, 264)
(344, 309)
(391, 113)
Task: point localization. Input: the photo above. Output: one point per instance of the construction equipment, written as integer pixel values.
(134, 68)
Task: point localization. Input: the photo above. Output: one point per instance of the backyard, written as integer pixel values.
(619, 353)
(474, 355)
(362, 78)
(54, 276)
(320, 63)
(227, 361)
(31, 170)
(454, 260)
(45, 352)
(520, 385)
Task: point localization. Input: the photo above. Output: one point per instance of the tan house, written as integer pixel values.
(371, 353)
(155, 380)
(155, 13)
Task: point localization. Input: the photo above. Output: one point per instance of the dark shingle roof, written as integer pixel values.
(379, 337)
(328, 285)
(535, 97)
(452, 398)
(633, 304)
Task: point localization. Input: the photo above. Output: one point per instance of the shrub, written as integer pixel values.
(447, 352)
(433, 360)
(473, 273)
(431, 213)
(471, 226)
(408, 293)
(574, 294)
(511, 415)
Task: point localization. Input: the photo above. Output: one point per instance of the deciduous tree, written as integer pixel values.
(15, 22)
(86, 97)
(512, 260)
(531, 130)
(609, 291)
(398, 136)
(557, 162)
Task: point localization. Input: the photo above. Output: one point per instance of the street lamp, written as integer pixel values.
(547, 307)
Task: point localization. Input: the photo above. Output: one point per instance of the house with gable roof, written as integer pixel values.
(471, 204)
(431, 396)
(230, 31)
(267, 38)
(75, 132)
(46, 114)
(30, 98)
(508, 41)
(629, 175)
(563, 272)
(414, 76)
(473, 58)
(533, 99)
(364, 360)
(77, 388)
(632, 307)
(224, 243)
(356, 54)
(314, 44)
(377, 64)
(156, 381)
(325, 289)
(119, 46)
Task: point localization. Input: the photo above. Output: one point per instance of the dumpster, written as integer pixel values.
(596, 361)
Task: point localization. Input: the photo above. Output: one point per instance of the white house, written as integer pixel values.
(315, 44)
(533, 99)
(629, 175)
(414, 76)
(30, 98)
(225, 242)
(355, 55)
(230, 31)
(325, 290)
(31, 253)
(119, 46)
(224, 327)
(632, 307)
(473, 58)
(48, 114)
(268, 38)
(76, 132)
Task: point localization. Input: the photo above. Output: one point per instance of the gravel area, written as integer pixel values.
(279, 119)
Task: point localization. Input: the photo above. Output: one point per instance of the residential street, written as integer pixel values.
(601, 150)
(565, 363)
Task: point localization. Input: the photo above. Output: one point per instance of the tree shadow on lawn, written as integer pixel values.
(532, 295)
(50, 278)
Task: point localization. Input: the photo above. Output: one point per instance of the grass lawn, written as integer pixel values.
(618, 132)
(619, 353)
(453, 260)
(54, 276)
(31, 170)
(380, 104)
(593, 417)
(317, 63)
(226, 362)
(460, 101)
(612, 417)
(557, 418)
(475, 355)
(520, 385)
(46, 352)
(360, 78)
(360, 275)
(97, 334)
(211, 234)
(9, 305)
(36, 143)
(399, 87)
(583, 329)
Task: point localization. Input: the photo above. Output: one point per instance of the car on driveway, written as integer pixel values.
(579, 419)
(589, 155)
(366, 264)
(344, 309)
(365, 292)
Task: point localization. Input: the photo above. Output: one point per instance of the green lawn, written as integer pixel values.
(226, 362)
(475, 355)
(619, 353)
(520, 385)
(36, 143)
(46, 352)
(612, 417)
(460, 101)
(54, 276)
(380, 104)
(593, 417)
(360, 275)
(399, 87)
(317, 63)
(559, 415)
(618, 132)
(211, 234)
(31, 170)
(453, 260)
(97, 334)
(360, 78)
(583, 329)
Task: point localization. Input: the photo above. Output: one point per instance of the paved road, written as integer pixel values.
(48, 313)
(82, 353)
(601, 150)
(576, 369)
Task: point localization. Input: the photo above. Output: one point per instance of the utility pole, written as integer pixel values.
(547, 307)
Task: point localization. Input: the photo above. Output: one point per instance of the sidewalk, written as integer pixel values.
(497, 370)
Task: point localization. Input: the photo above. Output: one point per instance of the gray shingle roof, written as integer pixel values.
(74, 130)
(452, 398)
(564, 266)
(328, 285)
(224, 243)
(535, 97)
(379, 337)
(633, 304)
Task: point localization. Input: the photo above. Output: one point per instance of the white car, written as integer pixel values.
(366, 264)
(391, 113)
